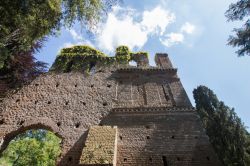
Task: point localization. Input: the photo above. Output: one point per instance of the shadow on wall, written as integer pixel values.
(72, 157)
(171, 138)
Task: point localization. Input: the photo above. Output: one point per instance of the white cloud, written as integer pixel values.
(121, 32)
(188, 28)
(126, 26)
(157, 20)
(125, 29)
(172, 39)
(75, 35)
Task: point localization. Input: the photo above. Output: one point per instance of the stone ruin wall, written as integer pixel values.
(155, 121)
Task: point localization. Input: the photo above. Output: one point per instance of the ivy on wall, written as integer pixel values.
(122, 54)
(84, 58)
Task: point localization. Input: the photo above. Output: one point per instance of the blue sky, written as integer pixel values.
(193, 32)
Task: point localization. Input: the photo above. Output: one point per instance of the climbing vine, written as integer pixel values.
(122, 54)
(84, 58)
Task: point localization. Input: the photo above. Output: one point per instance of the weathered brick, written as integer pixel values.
(156, 124)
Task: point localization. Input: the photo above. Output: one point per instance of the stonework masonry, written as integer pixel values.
(100, 146)
(144, 110)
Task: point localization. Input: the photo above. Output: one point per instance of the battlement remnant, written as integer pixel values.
(162, 60)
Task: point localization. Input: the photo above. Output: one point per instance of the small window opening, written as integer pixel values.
(21, 122)
(2, 121)
(132, 63)
(77, 125)
(165, 162)
(58, 124)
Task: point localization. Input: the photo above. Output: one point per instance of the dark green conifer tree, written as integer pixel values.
(226, 132)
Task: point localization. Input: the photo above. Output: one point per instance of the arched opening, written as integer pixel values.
(33, 146)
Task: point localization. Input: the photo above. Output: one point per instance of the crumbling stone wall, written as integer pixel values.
(149, 106)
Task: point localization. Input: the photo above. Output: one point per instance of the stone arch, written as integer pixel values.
(28, 124)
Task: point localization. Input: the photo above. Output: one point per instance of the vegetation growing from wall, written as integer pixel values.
(84, 58)
(34, 147)
(140, 57)
(122, 54)
(226, 132)
(80, 58)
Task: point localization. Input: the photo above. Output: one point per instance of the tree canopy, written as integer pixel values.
(240, 11)
(25, 24)
(34, 147)
(226, 132)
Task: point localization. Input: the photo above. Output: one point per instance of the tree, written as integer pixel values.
(226, 132)
(240, 11)
(25, 24)
(34, 147)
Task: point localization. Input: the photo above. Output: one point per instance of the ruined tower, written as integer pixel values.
(119, 115)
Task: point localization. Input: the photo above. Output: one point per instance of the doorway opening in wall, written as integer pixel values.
(32, 147)
(165, 162)
(92, 68)
(133, 63)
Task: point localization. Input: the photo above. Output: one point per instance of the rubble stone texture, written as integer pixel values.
(156, 123)
(100, 146)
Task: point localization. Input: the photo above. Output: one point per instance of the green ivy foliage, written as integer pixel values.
(83, 58)
(80, 58)
(122, 54)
